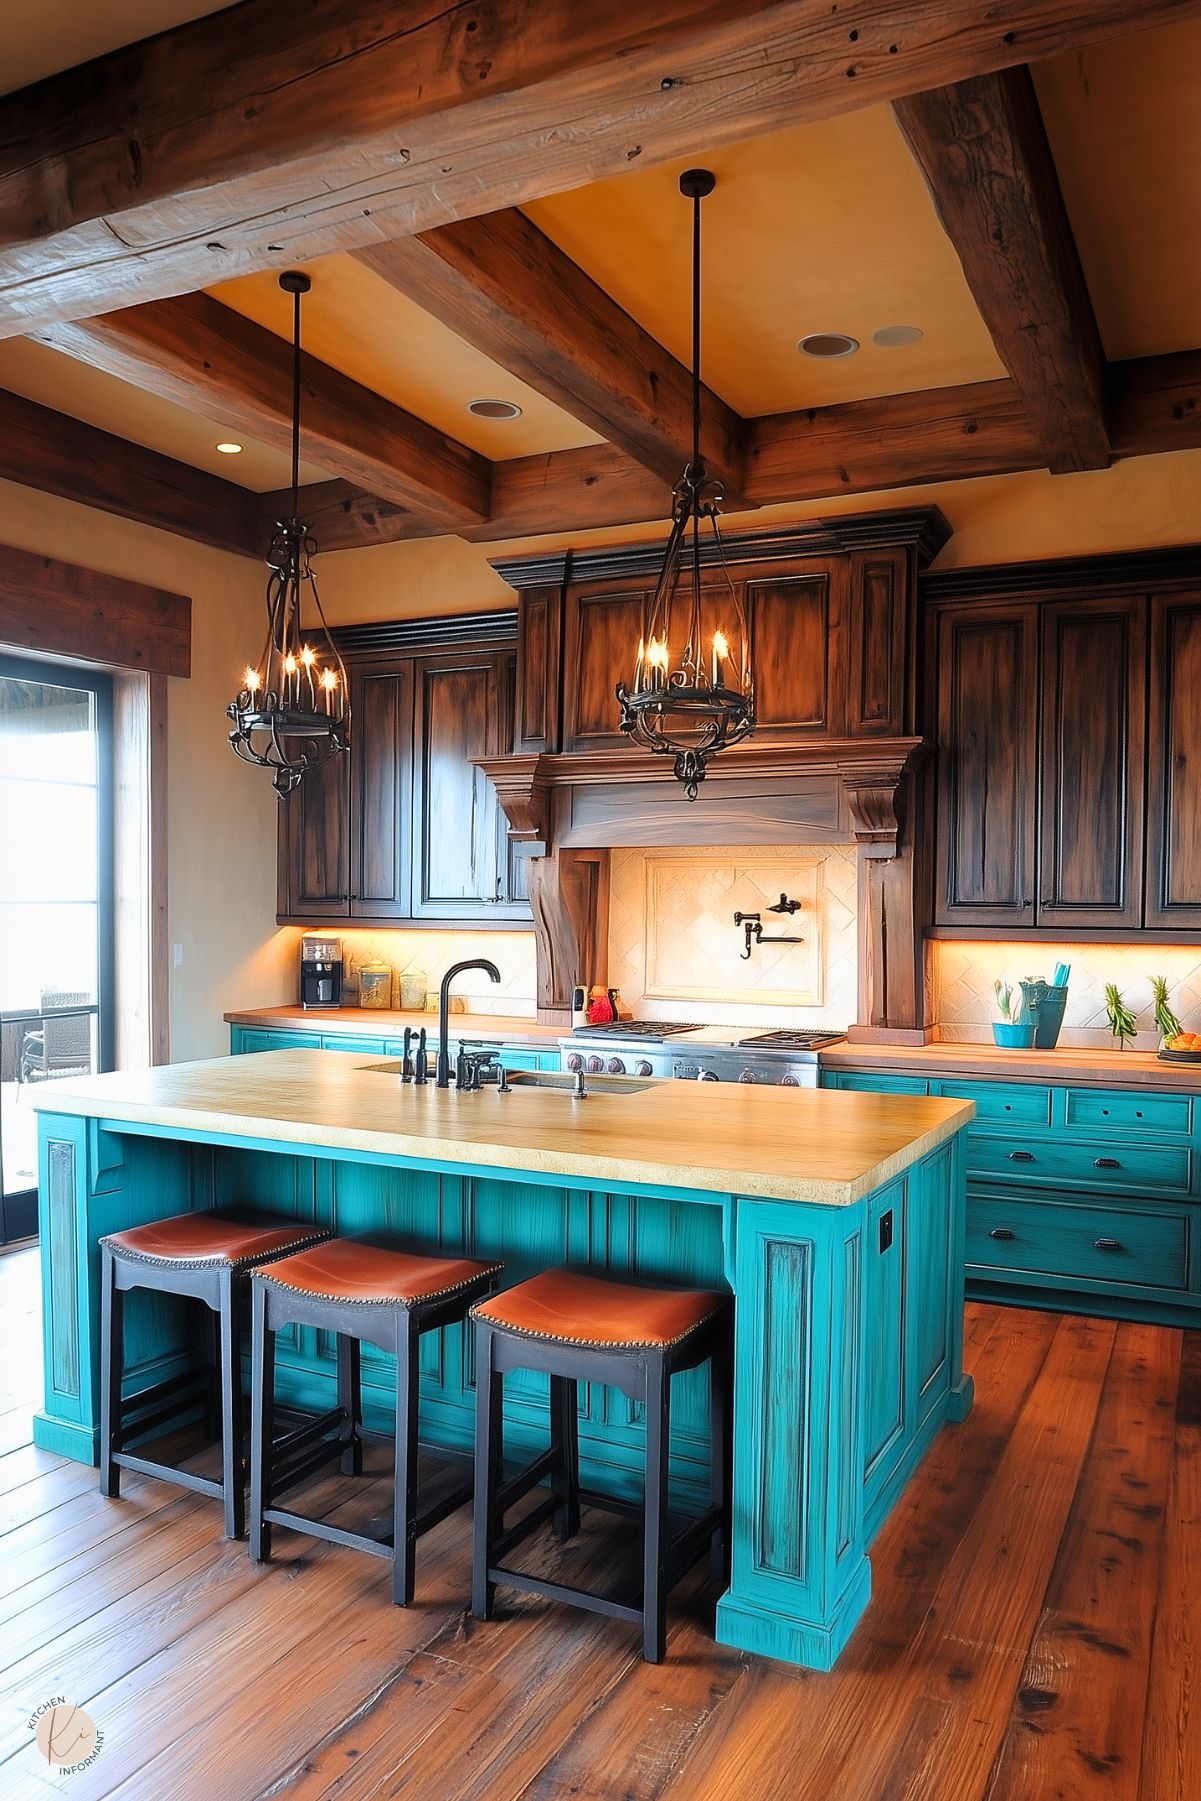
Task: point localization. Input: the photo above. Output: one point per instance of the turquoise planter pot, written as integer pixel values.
(1013, 1038)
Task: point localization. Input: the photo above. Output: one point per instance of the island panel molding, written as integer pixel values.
(823, 1443)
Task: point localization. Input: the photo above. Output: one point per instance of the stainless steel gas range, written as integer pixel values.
(639, 1047)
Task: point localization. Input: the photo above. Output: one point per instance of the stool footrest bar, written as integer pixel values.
(304, 1434)
(524, 1480)
(145, 1466)
(282, 1477)
(537, 1516)
(335, 1535)
(558, 1591)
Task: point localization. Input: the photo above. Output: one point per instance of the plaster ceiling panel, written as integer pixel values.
(56, 34)
(1125, 128)
(355, 321)
(116, 406)
(824, 227)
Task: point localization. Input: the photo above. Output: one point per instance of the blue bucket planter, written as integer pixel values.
(1013, 1038)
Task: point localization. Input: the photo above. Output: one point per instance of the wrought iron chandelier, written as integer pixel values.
(705, 701)
(292, 710)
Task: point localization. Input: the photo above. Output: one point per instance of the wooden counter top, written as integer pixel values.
(388, 1022)
(1105, 1069)
(788, 1144)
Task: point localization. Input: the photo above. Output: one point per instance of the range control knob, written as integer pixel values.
(708, 1075)
(643, 1068)
(595, 1065)
(615, 1066)
(574, 1061)
(789, 1082)
(748, 1075)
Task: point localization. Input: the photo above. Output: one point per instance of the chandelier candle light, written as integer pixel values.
(701, 705)
(292, 710)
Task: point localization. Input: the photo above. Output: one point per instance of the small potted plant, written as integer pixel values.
(1011, 1031)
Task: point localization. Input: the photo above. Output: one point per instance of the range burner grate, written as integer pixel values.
(648, 1030)
(785, 1040)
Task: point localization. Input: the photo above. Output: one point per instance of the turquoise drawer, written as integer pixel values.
(1001, 1103)
(254, 1038)
(1057, 1238)
(1097, 1163)
(873, 1084)
(353, 1041)
(1093, 1108)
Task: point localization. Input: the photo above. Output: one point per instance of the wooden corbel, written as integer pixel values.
(523, 789)
(875, 810)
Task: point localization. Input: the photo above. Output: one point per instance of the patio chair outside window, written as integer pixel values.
(59, 1046)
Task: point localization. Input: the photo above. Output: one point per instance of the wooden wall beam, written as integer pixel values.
(56, 454)
(1155, 404)
(503, 285)
(982, 147)
(271, 133)
(63, 610)
(208, 358)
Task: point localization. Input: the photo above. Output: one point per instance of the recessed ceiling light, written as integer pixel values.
(229, 449)
(828, 344)
(897, 337)
(494, 409)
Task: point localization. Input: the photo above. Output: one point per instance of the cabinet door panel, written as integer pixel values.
(1093, 686)
(382, 792)
(313, 850)
(456, 804)
(795, 644)
(602, 634)
(1174, 824)
(987, 723)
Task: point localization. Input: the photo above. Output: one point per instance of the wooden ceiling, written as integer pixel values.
(486, 201)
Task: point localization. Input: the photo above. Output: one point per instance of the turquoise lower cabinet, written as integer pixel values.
(1087, 1199)
(243, 1039)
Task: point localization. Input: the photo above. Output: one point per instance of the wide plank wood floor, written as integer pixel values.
(1034, 1635)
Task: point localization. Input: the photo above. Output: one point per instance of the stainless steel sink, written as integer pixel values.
(561, 1079)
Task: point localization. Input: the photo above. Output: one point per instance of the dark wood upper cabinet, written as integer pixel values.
(313, 851)
(1174, 764)
(797, 654)
(880, 626)
(987, 725)
(461, 863)
(602, 628)
(1091, 762)
(381, 790)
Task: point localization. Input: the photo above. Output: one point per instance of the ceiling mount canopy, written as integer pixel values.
(292, 710)
(703, 701)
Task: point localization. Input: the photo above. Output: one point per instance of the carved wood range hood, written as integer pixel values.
(836, 757)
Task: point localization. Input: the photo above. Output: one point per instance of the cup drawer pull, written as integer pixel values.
(1021, 1156)
(1106, 1163)
(1107, 1244)
(1001, 1232)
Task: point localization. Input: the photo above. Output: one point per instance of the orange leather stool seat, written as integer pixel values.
(346, 1269)
(195, 1238)
(579, 1309)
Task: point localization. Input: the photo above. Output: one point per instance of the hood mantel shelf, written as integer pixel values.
(857, 779)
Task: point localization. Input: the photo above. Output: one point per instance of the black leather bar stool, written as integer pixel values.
(582, 1328)
(208, 1256)
(363, 1293)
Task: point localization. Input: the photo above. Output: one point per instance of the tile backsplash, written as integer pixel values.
(434, 952)
(965, 973)
(675, 952)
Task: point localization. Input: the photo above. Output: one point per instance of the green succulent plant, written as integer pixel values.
(1165, 1020)
(1121, 1020)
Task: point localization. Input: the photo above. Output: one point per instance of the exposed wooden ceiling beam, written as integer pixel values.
(206, 357)
(502, 284)
(1155, 403)
(271, 133)
(982, 147)
(56, 454)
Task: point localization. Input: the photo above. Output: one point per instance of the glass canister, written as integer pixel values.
(414, 985)
(375, 985)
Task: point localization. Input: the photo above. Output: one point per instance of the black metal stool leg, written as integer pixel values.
(212, 1406)
(262, 1422)
(112, 1361)
(489, 1470)
(404, 1502)
(658, 1438)
(564, 1437)
(720, 1444)
(350, 1400)
(232, 1465)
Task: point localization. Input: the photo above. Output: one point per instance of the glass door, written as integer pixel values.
(56, 913)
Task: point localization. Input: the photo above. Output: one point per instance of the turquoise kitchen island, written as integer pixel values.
(836, 1219)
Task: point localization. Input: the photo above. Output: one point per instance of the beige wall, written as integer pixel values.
(221, 824)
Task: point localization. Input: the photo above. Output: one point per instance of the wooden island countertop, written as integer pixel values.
(830, 1148)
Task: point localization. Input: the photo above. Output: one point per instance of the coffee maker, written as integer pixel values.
(320, 971)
